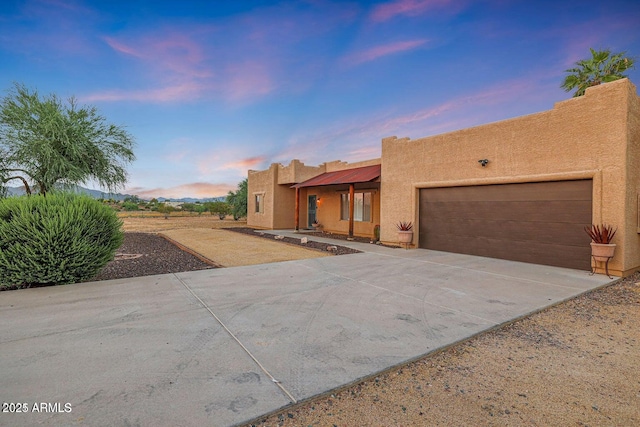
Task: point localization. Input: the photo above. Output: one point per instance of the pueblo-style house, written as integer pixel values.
(521, 189)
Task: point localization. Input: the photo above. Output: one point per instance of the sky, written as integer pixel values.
(211, 89)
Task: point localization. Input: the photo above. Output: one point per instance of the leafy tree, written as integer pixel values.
(133, 199)
(602, 67)
(189, 207)
(165, 209)
(238, 200)
(45, 142)
(222, 209)
(130, 206)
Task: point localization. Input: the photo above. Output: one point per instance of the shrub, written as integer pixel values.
(130, 206)
(54, 240)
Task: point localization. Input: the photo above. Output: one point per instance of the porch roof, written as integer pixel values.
(347, 176)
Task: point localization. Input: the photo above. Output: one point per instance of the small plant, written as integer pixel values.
(601, 233)
(404, 226)
(376, 233)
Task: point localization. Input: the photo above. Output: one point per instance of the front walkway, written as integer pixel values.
(224, 346)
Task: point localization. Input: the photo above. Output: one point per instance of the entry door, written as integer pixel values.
(311, 210)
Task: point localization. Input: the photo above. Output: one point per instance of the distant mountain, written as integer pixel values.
(97, 194)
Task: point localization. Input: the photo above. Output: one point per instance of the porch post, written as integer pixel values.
(297, 214)
(351, 206)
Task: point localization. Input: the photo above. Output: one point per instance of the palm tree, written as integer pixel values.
(602, 67)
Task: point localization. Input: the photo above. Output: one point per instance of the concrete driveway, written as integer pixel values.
(221, 347)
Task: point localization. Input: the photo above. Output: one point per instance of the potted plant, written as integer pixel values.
(601, 247)
(405, 232)
(316, 225)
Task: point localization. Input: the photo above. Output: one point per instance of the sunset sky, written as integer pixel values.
(210, 89)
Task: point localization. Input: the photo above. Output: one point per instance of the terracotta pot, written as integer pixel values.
(602, 251)
(405, 236)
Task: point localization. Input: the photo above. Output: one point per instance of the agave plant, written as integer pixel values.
(601, 233)
(404, 225)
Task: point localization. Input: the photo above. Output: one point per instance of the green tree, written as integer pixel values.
(130, 206)
(238, 200)
(222, 209)
(189, 207)
(165, 209)
(602, 67)
(45, 142)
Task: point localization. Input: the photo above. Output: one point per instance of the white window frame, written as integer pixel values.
(258, 199)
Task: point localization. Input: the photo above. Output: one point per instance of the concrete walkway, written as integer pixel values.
(221, 347)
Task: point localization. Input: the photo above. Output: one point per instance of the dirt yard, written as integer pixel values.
(573, 364)
(152, 222)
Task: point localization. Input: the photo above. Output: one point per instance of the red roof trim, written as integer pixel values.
(347, 176)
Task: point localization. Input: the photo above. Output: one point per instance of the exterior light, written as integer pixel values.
(483, 162)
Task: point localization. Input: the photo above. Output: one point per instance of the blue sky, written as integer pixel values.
(210, 89)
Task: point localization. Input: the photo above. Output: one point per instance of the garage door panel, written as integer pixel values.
(539, 211)
(531, 191)
(513, 230)
(532, 252)
(532, 222)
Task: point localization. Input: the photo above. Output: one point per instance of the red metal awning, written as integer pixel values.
(347, 176)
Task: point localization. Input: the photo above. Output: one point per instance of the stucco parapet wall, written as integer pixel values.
(339, 165)
(296, 171)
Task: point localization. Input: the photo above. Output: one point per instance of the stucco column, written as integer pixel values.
(351, 206)
(297, 214)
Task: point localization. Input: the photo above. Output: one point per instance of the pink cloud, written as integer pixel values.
(248, 79)
(122, 48)
(386, 11)
(194, 189)
(185, 91)
(245, 164)
(383, 50)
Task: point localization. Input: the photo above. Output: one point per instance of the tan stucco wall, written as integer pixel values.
(279, 198)
(585, 137)
(261, 182)
(632, 226)
(338, 165)
(296, 172)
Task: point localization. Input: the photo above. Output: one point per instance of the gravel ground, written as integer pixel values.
(145, 254)
(339, 250)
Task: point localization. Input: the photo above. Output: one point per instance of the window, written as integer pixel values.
(361, 207)
(259, 203)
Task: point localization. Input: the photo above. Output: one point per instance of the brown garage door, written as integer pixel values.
(540, 222)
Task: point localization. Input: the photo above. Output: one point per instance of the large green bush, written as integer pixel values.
(57, 239)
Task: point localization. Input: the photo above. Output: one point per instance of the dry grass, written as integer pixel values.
(203, 235)
(229, 249)
(154, 222)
